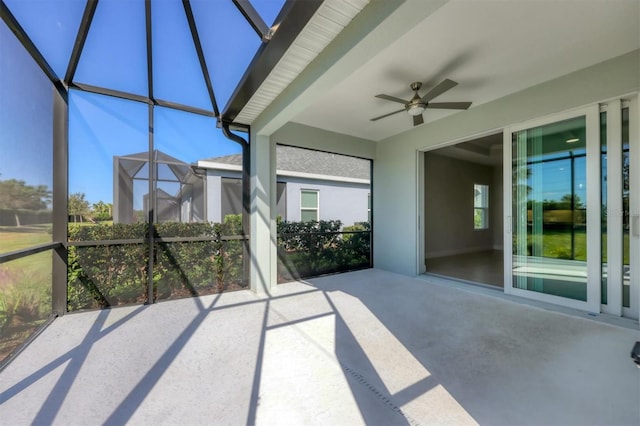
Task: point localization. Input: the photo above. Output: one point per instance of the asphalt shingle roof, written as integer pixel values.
(294, 159)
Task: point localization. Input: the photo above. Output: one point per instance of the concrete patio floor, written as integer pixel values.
(367, 347)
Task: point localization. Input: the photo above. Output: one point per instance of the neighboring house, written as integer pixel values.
(311, 185)
(179, 195)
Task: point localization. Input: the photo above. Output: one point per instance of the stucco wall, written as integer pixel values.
(395, 190)
(343, 201)
(346, 202)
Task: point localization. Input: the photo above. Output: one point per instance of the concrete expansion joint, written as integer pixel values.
(384, 397)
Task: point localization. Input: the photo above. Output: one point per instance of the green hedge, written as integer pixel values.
(314, 248)
(110, 275)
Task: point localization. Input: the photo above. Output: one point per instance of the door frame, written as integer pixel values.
(613, 109)
(634, 207)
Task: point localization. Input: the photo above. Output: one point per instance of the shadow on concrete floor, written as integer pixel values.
(368, 347)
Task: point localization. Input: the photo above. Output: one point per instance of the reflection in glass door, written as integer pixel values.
(549, 190)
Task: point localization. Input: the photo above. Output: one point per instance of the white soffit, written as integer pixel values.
(328, 21)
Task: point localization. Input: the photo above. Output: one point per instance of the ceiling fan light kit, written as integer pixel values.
(416, 109)
(418, 105)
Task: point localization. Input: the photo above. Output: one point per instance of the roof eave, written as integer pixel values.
(292, 19)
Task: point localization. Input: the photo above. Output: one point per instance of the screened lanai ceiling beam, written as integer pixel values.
(253, 17)
(139, 98)
(292, 19)
(200, 53)
(183, 107)
(26, 42)
(85, 23)
(109, 92)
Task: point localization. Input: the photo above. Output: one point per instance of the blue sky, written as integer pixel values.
(114, 56)
(25, 116)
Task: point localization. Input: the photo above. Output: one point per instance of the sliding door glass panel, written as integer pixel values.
(549, 209)
(626, 246)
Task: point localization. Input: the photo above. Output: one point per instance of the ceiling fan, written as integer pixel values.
(417, 105)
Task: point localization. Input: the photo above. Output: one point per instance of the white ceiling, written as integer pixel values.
(490, 47)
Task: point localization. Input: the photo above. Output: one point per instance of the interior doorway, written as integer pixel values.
(463, 211)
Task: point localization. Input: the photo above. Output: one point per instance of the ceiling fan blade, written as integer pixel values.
(386, 115)
(417, 120)
(449, 105)
(439, 90)
(392, 99)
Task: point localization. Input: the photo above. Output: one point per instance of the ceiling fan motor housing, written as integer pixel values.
(418, 104)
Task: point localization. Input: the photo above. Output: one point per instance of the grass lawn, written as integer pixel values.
(556, 244)
(13, 238)
(25, 286)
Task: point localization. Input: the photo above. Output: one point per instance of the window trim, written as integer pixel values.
(307, 209)
(483, 208)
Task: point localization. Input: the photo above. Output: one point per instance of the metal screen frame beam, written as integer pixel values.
(85, 23)
(203, 63)
(152, 197)
(60, 202)
(139, 98)
(253, 17)
(186, 108)
(19, 254)
(109, 92)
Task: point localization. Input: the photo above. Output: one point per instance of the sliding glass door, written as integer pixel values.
(571, 209)
(554, 202)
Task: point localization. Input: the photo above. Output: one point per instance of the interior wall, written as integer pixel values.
(449, 206)
(395, 193)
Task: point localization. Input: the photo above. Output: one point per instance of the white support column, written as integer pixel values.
(263, 227)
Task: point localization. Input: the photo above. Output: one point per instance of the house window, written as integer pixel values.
(308, 205)
(369, 208)
(480, 206)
